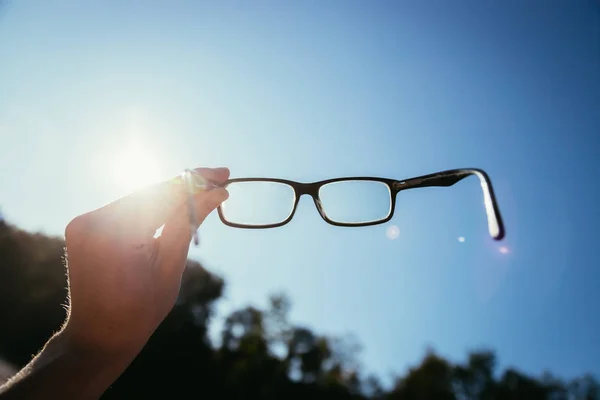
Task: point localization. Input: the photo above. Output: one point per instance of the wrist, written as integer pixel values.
(67, 369)
(103, 343)
(101, 357)
(93, 368)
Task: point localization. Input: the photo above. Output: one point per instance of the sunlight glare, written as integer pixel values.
(135, 164)
(461, 239)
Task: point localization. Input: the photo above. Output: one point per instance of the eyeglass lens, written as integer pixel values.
(259, 203)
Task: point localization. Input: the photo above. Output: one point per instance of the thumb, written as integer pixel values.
(174, 242)
(207, 201)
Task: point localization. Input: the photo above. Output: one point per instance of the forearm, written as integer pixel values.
(63, 370)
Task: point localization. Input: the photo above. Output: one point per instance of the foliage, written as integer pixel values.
(262, 355)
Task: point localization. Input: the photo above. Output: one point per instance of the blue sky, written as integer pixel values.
(98, 98)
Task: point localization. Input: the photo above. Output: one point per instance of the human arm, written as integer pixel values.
(122, 283)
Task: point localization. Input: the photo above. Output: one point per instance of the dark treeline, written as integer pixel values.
(261, 355)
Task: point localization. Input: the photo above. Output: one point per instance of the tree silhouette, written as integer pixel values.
(262, 354)
(431, 380)
(476, 379)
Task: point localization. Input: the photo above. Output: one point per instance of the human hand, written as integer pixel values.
(123, 281)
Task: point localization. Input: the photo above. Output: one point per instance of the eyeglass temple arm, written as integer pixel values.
(451, 177)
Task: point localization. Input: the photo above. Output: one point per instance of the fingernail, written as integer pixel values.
(206, 169)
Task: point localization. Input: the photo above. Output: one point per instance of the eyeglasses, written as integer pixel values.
(260, 203)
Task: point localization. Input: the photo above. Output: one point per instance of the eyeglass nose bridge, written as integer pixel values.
(312, 190)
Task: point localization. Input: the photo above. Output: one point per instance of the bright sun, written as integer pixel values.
(135, 165)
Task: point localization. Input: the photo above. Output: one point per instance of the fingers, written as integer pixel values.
(137, 217)
(216, 175)
(174, 242)
(141, 213)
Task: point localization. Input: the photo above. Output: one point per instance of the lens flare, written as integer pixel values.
(503, 250)
(461, 239)
(392, 232)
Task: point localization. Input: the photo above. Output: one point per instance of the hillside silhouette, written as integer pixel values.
(261, 355)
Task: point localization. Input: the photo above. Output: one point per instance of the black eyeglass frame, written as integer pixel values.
(439, 179)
